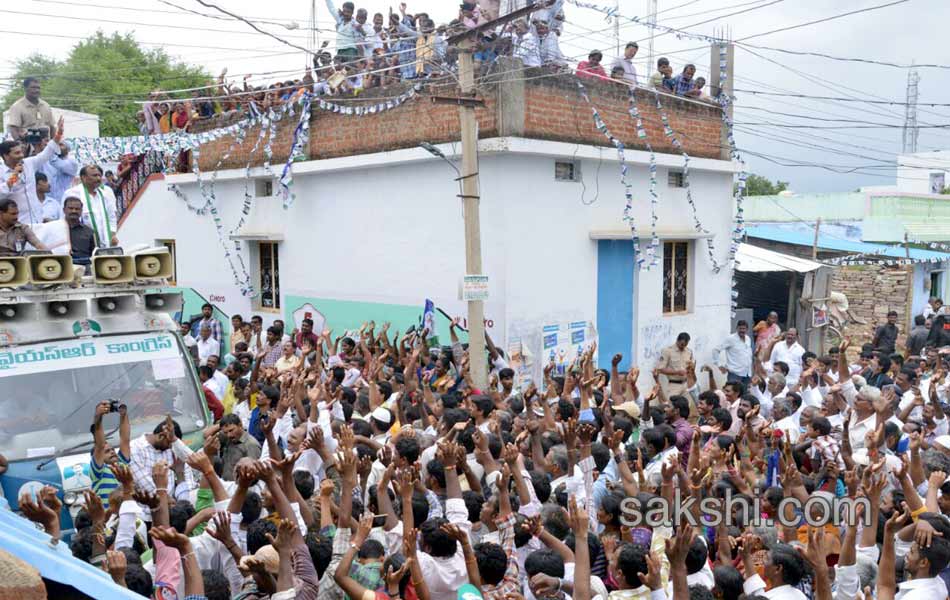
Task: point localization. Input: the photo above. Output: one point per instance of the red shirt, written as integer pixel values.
(214, 405)
(588, 71)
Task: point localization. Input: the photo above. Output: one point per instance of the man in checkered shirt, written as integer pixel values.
(163, 444)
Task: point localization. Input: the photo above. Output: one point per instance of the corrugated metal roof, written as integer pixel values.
(752, 259)
(806, 237)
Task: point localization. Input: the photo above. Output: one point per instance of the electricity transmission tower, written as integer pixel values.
(911, 131)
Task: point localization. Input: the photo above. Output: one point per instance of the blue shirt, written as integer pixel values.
(60, 172)
(52, 208)
(680, 85)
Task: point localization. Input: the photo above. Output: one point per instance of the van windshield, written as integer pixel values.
(50, 390)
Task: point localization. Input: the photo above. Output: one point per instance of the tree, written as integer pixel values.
(105, 75)
(760, 186)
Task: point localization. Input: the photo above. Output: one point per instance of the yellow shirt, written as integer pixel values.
(229, 399)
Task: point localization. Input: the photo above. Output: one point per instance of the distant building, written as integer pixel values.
(923, 172)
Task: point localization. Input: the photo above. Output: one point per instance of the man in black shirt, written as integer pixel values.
(82, 239)
(885, 336)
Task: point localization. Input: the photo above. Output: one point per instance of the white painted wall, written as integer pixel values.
(914, 171)
(388, 228)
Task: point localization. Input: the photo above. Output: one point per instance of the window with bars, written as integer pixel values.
(269, 275)
(676, 279)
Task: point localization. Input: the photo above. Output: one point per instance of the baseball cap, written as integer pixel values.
(631, 408)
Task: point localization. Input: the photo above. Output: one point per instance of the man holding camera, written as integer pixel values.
(30, 111)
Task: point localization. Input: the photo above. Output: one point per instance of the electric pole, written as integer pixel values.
(617, 27)
(651, 19)
(465, 42)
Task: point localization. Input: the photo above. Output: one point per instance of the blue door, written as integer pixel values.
(615, 263)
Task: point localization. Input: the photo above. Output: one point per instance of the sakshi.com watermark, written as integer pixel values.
(741, 510)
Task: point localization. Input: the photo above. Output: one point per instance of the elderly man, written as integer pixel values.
(207, 345)
(674, 362)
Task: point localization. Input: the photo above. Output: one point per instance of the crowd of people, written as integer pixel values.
(382, 50)
(373, 467)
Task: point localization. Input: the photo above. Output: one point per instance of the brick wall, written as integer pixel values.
(872, 292)
(531, 103)
(556, 111)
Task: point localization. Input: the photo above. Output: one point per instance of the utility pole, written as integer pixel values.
(814, 246)
(617, 27)
(466, 42)
(471, 201)
(651, 19)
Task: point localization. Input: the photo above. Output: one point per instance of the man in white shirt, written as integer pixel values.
(789, 352)
(99, 209)
(207, 345)
(784, 569)
(738, 350)
(922, 566)
(626, 63)
(18, 176)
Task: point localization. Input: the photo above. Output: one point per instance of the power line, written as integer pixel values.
(824, 20)
(167, 12)
(250, 24)
(100, 20)
(840, 99)
(173, 45)
(882, 63)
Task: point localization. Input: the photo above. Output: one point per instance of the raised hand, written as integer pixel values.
(160, 475)
(94, 508)
(222, 528)
(149, 499)
(284, 542)
(171, 538)
(116, 565)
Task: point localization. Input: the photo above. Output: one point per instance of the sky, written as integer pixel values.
(820, 157)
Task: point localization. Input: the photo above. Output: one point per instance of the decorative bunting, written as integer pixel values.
(654, 199)
(296, 146)
(671, 136)
(628, 188)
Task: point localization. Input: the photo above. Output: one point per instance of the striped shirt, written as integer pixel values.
(103, 479)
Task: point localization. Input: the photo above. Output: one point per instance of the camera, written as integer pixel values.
(114, 405)
(35, 135)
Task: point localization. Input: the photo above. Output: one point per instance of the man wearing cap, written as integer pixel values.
(674, 361)
(626, 63)
(591, 68)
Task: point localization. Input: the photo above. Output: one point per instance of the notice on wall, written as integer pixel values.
(563, 344)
